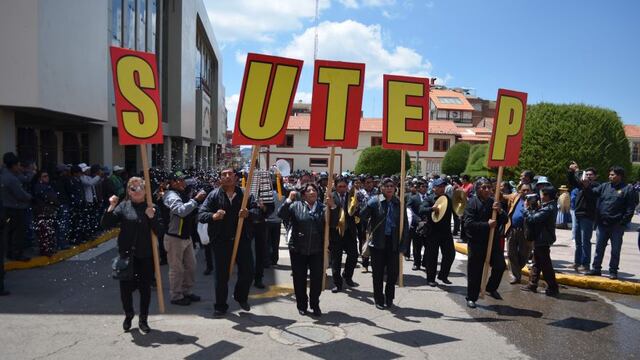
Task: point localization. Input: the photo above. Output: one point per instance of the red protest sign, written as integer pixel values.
(336, 104)
(405, 119)
(508, 128)
(137, 93)
(268, 88)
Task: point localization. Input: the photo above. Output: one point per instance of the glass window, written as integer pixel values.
(151, 25)
(130, 25)
(440, 145)
(442, 114)
(376, 140)
(449, 100)
(141, 26)
(635, 153)
(288, 141)
(315, 162)
(116, 22)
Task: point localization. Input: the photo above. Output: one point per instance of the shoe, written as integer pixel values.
(415, 267)
(496, 295)
(552, 293)
(389, 305)
(244, 305)
(193, 297)
(529, 288)
(432, 283)
(302, 312)
(219, 312)
(316, 311)
(185, 301)
(336, 289)
(143, 326)
(593, 272)
(613, 275)
(350, 283)
(583, 269)
(514, 280)
(258, 284)
(126, 324)
(576, 267)
(445, 281)
(379, 306)
(407, 258)
(365, 269)
(471, 304)
(207, 271)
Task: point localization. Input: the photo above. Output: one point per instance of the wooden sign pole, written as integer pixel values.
(487, 259)
(245, 198)
(403, 171)
(154, 237)
(327, 217)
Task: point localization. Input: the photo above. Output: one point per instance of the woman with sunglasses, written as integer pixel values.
(136, 220)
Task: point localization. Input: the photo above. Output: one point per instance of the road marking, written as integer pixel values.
(95, 252)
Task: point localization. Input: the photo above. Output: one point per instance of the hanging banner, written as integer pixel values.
(405, 119)
(336, 105)
(137, 94)
(268, 88)
(508, 129)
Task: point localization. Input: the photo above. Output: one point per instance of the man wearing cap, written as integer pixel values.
(440, 236)
(477, 224)
(221, 210)
(343, 237)
(177, 239)
(383, 213)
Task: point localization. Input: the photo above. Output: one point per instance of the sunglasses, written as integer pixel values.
(136, 188)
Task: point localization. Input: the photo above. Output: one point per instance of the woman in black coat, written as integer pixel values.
(136, 223)
(306, 246)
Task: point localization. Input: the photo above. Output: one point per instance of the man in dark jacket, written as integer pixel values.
(343, 237)
(615, 206)
(221, 211)
(15, 201)
(439, 237)
(413, 202)
(585, 215)
(477, 224)
(383, 213)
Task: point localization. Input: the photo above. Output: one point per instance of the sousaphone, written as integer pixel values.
(459, 202)
(441, 205)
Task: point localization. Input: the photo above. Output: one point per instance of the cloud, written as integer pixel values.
(354, 4)
(259, 20)
(358, 43)
(351, 4)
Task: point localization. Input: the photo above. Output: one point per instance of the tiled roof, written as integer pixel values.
(434, 94)
(632, 131)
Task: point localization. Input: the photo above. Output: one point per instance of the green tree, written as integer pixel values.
(556, 134)
(455, 160)
(378, 161)
(477, 162)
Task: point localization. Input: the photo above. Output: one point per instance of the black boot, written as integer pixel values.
(126, 324)
(143, 325)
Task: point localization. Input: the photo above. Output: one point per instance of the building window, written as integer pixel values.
(449, 100)
(288, 142)
(116, 23)
(376, 140)
(440, 145)
(152, 25)
(466, 115)
(635, 152)
(442, 114)
(129, 25)
(318, 162)
(289, 160)
(141, 26)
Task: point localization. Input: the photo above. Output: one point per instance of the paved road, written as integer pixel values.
(71, 310)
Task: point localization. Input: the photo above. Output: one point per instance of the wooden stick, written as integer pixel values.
(327, 217)
(487, 259)
(245, 199)
(154, 237)
(403, 170)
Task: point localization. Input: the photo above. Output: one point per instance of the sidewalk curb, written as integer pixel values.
(585, 282)
(40, 261)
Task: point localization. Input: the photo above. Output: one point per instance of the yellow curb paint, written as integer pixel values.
(585, 282)
(40, 261)
(273, 291)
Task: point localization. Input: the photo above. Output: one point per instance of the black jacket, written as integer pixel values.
(375, 213)
(585, 200)
(307, 228)
(616, 203)
(135, 227)
(224, 230)
(541, 224)
(476, 215)
(350, 222)
(442, 227)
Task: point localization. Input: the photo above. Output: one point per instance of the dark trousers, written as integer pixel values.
(477, 251)
(362, 238)
(418, 244)
(273, 241)
(143, 276)
(14, 232)
(443, 242)
(542, 263)
(244, 259)
(46, 230)
(348, 244)
(2, 248)
(260, 247)
(63, 228)
(208, 255)
(300, 266)
(456, 224)
(384, 260)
